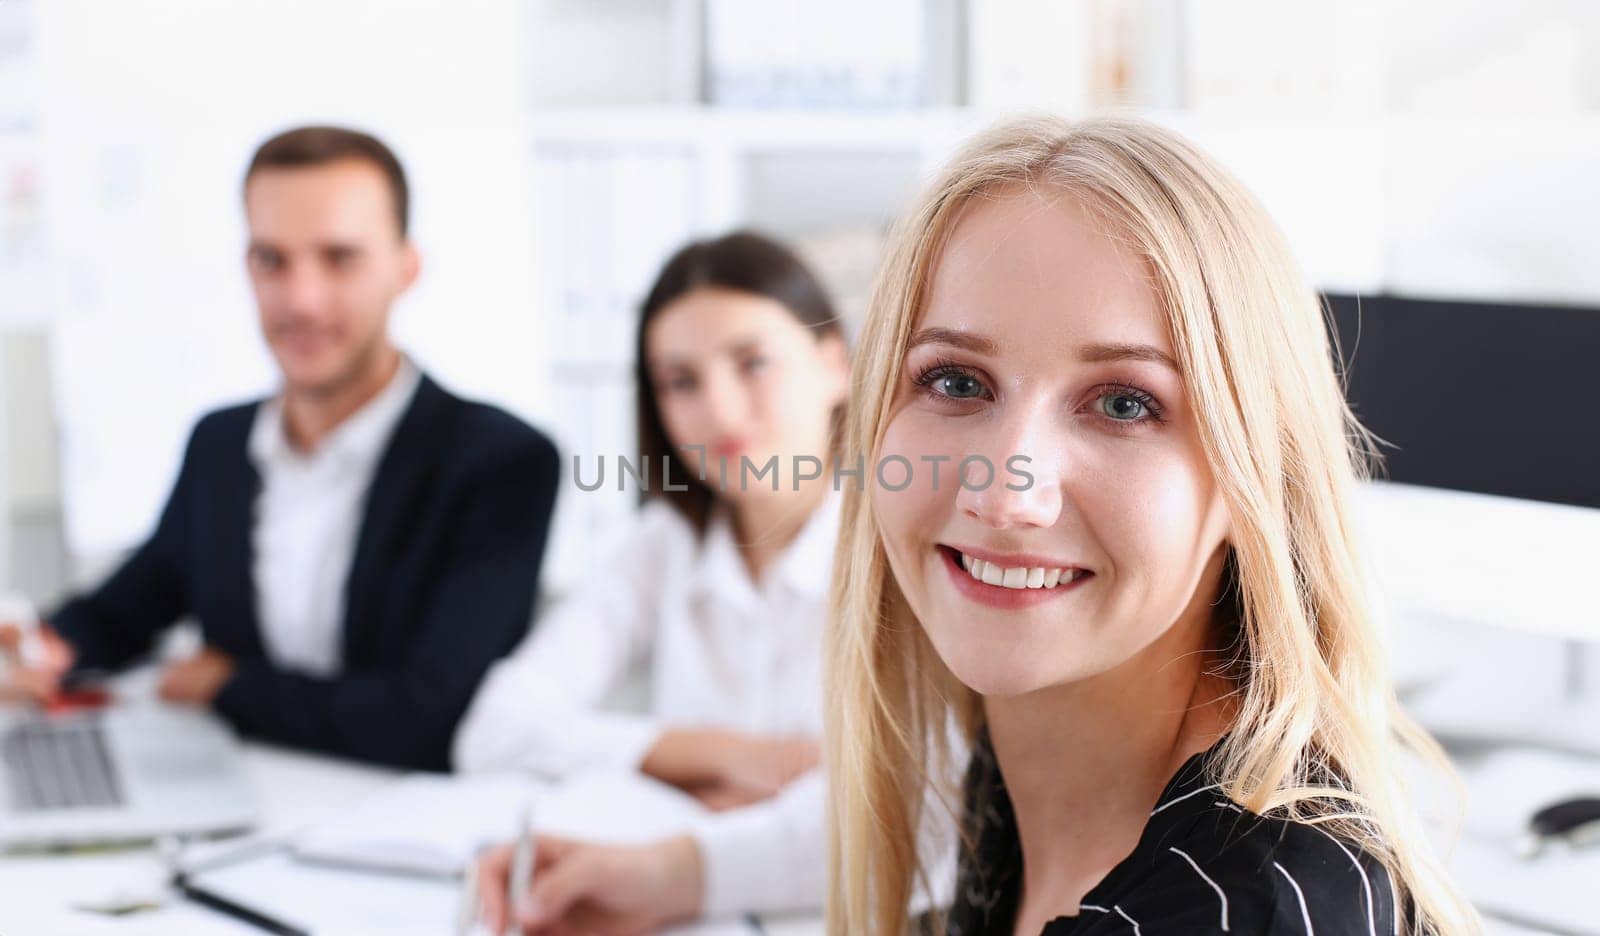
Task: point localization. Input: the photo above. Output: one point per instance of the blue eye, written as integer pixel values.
(951, 382)
(754, 365)
(1127, 405)
(960, 386)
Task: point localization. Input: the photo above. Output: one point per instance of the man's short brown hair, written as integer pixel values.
(316, 146)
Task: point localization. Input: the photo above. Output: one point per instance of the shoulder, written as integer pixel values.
(654, 550)
(639, 563)
(481, 434)
(227, 424)
(1234, 871)
(656, 533)
(1325, 880)
(221, 437)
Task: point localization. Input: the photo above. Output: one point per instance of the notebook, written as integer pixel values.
(434, 824)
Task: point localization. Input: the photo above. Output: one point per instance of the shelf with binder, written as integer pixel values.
(616, 192)
(795, 174)
(709, 128)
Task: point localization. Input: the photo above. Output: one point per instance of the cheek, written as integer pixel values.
(792, 414)
(269, 293)
(912, 504)
(366, 299)
(1153, 515)
(934, 444)
(359, 298)
(678, 419)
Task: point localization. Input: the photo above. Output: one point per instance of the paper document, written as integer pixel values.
(433, 824)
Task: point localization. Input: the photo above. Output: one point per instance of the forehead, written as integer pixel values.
(712, 320)
(1033, 269)
(348, 198)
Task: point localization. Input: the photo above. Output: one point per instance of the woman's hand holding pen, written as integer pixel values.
(605, 890)
(726, 769)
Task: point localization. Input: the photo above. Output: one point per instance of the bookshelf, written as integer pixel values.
(617, 190)
(652, 122)
(22, 261)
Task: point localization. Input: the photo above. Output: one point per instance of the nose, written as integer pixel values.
(303, 289)
(726, 402)
(1024, 488)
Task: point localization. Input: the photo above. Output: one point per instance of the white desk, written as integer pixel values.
(296, 790)
(1504, 786)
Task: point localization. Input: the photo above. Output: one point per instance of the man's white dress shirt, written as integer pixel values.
(719, 650)
(307, 518)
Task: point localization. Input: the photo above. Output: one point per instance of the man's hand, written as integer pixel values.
(727, 769)
(198, 679)
(37, 679)
(598, 890)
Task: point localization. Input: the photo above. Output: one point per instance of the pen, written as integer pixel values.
(168, 848)
(238, 911)
(521, 863)
(467, 909)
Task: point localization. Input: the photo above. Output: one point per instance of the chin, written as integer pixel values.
(311, 374)
(1001, 672)
(1001, 683)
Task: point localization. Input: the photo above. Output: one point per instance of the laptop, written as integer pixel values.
(124, 773)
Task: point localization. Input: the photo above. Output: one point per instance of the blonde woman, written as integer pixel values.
(1133, 585)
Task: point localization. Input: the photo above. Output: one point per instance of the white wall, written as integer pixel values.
(153, 113)
(1532, 56)
(151, 108)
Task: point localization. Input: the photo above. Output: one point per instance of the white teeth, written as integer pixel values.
(1032, 577)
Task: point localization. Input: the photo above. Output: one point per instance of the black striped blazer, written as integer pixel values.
(1203, 865)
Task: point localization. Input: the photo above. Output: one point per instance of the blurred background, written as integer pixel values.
(1435, 164)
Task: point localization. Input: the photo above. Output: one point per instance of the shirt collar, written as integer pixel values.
(803, 567)
(361, 437)
(807, 565)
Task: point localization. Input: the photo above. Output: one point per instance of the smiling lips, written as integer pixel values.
(992, 573)
(729, 447)
(1006, 585)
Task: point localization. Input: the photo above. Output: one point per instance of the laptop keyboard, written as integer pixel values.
(59, 764)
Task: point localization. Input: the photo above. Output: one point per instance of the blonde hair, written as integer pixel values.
(1318, 732)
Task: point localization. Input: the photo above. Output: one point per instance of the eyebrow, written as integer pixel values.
(736, 346)
(1101, 353)
(977, 344)
(1093, 354)
(332, 246)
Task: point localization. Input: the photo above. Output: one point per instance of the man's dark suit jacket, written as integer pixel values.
(442, 583)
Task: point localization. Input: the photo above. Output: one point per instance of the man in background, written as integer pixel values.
(358, 548)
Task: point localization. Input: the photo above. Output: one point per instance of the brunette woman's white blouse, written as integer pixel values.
(718, 650)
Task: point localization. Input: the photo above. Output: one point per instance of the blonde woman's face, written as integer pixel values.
(1042, 349)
